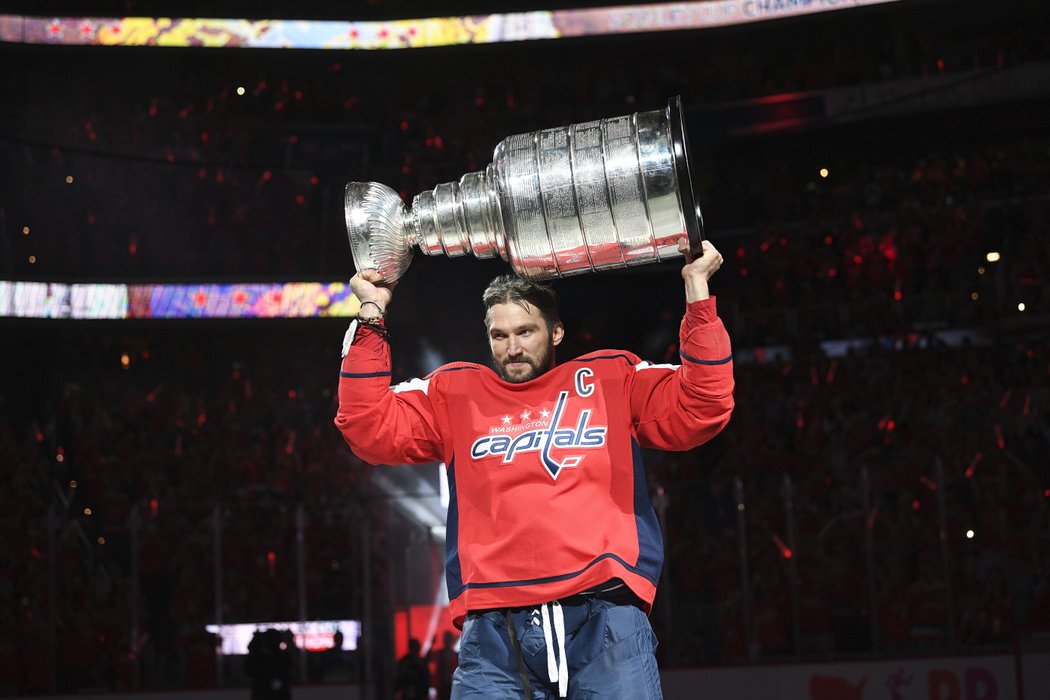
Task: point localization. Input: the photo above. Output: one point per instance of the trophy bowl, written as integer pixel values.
(599, 195)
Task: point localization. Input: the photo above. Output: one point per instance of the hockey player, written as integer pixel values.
(553, 547)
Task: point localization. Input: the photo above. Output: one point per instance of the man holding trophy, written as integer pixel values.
(553, 548)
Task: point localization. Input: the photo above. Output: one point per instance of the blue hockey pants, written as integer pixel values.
(582, 648)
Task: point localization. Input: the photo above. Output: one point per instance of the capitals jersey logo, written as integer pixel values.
(548, 439)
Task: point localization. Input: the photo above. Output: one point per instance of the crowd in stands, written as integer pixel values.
(963, 421)
(199, 421)
(163, 445)
(904, 247)
(187, 178)
(126, 451)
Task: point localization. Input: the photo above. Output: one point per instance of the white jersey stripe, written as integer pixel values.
(646, 365)
(412, 385)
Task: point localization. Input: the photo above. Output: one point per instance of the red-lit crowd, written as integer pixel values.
(126, 453)
(207, 435)
(944, 436)
(139, 177)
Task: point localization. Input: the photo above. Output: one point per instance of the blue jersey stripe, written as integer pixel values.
(625, 358)
(705, 362)
(650, 540)
(453, 570)
(453, 593)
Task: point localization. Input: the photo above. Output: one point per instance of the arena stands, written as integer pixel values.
(880, 348)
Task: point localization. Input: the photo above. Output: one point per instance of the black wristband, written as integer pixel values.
(381, 312)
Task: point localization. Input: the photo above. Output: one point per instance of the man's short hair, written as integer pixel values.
(511, 289)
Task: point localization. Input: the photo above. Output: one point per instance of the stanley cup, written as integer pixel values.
(605, 194)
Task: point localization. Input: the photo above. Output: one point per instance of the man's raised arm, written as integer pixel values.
(381, 425)
(680, 408)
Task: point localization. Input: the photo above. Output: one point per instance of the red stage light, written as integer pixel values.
(785, 551)
(973, 464)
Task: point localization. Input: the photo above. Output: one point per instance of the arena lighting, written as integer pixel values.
(443, 492)
(992, 256)
(406, 33)
(416, 494)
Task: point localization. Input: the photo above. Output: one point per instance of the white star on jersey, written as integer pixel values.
(525, 415)
(506, 420)
(545, 413)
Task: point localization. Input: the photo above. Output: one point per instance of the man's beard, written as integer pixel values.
(537, 366)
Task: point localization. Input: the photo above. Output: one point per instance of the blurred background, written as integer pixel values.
(875, 176)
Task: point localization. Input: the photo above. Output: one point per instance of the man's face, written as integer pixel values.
(522, 348)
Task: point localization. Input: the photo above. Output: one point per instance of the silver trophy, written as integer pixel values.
(564, 201)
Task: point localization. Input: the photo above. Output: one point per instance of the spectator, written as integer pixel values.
(412, 679)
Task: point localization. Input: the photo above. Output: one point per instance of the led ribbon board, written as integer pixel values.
(131, 301)
(406, 33)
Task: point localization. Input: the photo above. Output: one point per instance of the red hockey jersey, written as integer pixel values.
(548, 494)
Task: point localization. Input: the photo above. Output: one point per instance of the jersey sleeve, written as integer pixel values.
(677, 407)
(383, 424)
